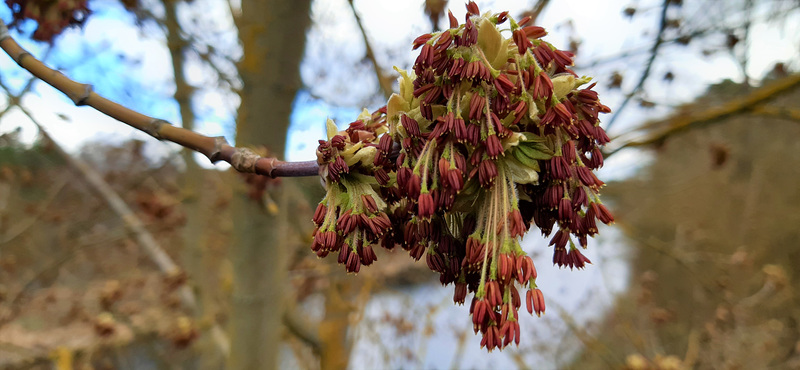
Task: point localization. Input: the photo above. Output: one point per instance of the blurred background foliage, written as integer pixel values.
(707, 203)
(713, 224)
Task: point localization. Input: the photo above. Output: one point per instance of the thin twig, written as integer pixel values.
(536, 10)
(682, 122)
(384, 82)
(653, 52)
(19, 228)
(744, 59)
(301, 329)
(214, 148)
(143, 237)
(14, 99)
(643, 48)
(589, 341)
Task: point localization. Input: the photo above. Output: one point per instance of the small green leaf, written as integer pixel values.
(536, 151)
(520, 156)
(332, 129)
(489, 39)
(395, 105)
(531, 137)
(502, 55)
(522, 173)
(563, 84)
(406, 83)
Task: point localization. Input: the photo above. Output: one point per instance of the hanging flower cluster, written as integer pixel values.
(488, 135)
(52, 16)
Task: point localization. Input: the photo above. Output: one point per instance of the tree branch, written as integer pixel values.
(301, 329)
(214, 148)
(384, 81)
(779, 112)
(536, 10)
(143, 237)
(753, 101)
(653, 52)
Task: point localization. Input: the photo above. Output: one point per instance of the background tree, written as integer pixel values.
(720, 30)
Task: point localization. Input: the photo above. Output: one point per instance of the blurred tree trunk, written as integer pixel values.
(192, 179)
(344, 297)
(195, 207)
(273, 34)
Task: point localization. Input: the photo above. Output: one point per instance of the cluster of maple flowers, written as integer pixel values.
(488, 135)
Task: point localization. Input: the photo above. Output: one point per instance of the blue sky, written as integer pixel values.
(111, 46)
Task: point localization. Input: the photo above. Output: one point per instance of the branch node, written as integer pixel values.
(154, 127)
(216, 153)
(244, 160)
(81, 99)
(3, 31)
(20, 57)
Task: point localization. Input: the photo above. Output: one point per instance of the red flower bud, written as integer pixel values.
(522, 41)
(472, 9)
(353, 263)
(319, 214)
(493, 147)
(421, 40)
(525, 269)
(476, 106)
(367, 255)
(460, 293)
(426, 206)
(487, 172)
(413, 186)
(515, 224)
(453, 20)
(369, 203)
(493, 294)
(505, 268)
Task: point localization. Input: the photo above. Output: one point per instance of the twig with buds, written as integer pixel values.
(214, 148)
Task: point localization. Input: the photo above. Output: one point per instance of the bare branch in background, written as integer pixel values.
(208, 58)
(143, 237)
(752, 101)
(17, 229)
(785, 113)
(300, 328)
(384, 81)
(435, 10)
(536, 10)
(14, 99)
(653, 52)
(743, 58)
(683, 37)
(214, 148)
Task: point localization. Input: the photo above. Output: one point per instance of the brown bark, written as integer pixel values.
(272, 33)
(333, 328)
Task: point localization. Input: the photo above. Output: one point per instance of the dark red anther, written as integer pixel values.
(453, 20)
(472, 9)
(419, 41)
